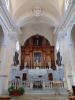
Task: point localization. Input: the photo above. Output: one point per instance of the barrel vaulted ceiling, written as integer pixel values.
(37, 17)
(37, 11)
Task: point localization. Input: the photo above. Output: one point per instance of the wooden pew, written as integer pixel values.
(4, 97)
(72, 98)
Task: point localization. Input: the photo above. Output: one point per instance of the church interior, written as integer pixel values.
(37, 49)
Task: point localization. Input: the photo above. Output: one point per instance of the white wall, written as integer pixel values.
(41, 29)
(6, 51)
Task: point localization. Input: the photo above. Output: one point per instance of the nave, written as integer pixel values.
(37, 49)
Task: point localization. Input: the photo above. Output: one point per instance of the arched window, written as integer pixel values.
(17, 46)
(7, 4)
(67, 2)
(57, 46)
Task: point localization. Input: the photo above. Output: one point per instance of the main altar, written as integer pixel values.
(37, 68)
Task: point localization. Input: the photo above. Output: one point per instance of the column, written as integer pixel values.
(66, 59)
(7, 60)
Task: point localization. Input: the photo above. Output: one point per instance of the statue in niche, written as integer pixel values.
(15, 58)
(59, 59)
(26, 65)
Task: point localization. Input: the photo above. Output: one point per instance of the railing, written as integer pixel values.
(45, 85)
(17, 84)
(53, 84)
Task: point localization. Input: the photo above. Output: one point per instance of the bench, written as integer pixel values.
(4, 97)
(72, 98)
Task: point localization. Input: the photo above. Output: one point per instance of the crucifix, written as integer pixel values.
(37, 42)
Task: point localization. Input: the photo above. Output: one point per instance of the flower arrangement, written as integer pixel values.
(16, 92)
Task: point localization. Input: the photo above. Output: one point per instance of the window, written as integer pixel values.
(7, 4)
(67, 2)
(17, 46)
(57, 46)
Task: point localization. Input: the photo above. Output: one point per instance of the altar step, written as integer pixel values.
(41, 97)
(53, 91)
(44, 94)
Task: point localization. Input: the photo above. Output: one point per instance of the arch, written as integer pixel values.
(26, 36)
(37, 52)
(72, 40)
(45, 18)
(37, 35)
(73, 34)
(1, 41)
(72, 43)
(1, 35)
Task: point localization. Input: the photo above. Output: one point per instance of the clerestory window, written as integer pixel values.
(7, 4)
(17, 46)
(67, 2)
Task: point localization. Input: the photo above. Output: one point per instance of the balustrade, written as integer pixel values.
(17, 84)
(53, 84)
(45, 85)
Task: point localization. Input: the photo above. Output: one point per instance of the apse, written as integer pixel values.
(37, 52)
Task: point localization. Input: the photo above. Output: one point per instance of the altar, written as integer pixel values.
(38, 78)
(37, 74)
(37, 85)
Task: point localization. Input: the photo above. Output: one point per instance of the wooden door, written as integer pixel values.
(50, 77)
(24, 78)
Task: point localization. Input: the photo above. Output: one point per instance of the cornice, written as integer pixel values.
(67, 25)
(10, 25)
(3, 76)
(1, 3)
(9, 29)
(11, 34)
(67, 19)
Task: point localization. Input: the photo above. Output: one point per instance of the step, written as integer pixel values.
(47, 91)
(41, 97)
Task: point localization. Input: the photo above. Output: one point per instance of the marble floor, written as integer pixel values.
(41, 97)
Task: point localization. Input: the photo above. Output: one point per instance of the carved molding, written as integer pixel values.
(66, 27)
(6, 18)
(3, 76)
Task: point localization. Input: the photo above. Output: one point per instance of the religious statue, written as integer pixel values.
(15, 58)
(27, 66)
(49, 64)
(59, 59)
